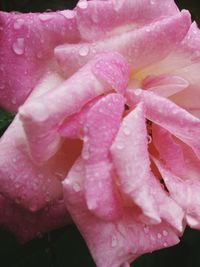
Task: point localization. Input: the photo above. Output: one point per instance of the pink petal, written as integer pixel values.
(184, 61)
(98, 19)
(130, 156)
(164, 85)
(140, 47)
(112, 243)
(43, 116)
(73, 126)
(26, 225)
(168, 149)
(27, 41)
(33, 186)
(185, 193)
(101, 126)
(170, 116)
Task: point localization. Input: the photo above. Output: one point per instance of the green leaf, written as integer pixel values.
(5, 120)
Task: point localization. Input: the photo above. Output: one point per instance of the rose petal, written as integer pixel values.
(185, 193)
(27, 41)
(164, 85)
(97, 19)
(101, 126)
(168, 149)
(26, 225)
(112, 243)
(43, 116)
(133, 168)
(132, 162)
(22, 180)
(140, 47)
(170, 116)
(73, 126)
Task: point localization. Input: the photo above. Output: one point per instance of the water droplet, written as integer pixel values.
(86, 154)
(76, 187)
(165, 233)
(120, 146)
(78, 167)
(18, 24)
(82, 4)
(114, 241)
(83, 51)
(85, 139)
(137, 92)
(45, 17)
(149, 139)
(126, 131)
(69, 14)
(165, 244)
(18, 46)
(146, 229)
(159, 236)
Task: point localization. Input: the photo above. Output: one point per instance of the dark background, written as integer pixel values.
(65, 247)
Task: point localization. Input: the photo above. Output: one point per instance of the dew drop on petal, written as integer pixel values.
(146, 229)
(159, 236)
(149, 139)
(83, 4)
(126, 131)
(69, 14)
(114, 241)
(83, 51)
(18, 46)
(120, 146)
(137, 92)
(165, 244)
(85, 155)
(18, 24)
(76, 187)
(165, 233)
(45, 17)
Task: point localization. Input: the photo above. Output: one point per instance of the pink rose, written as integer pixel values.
(107, 101)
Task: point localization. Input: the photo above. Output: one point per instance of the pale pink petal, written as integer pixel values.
(33, 186)
(43, 116)
(170, 116)
(99, 19)
(184, 61)
(164, 85)
(131, 160)
(185, 193)
(26, 225)
(168, 149)
(130, 156)
(101, 126)
(73, 126)
(27, 42)
(112, 243)
(140, 47)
